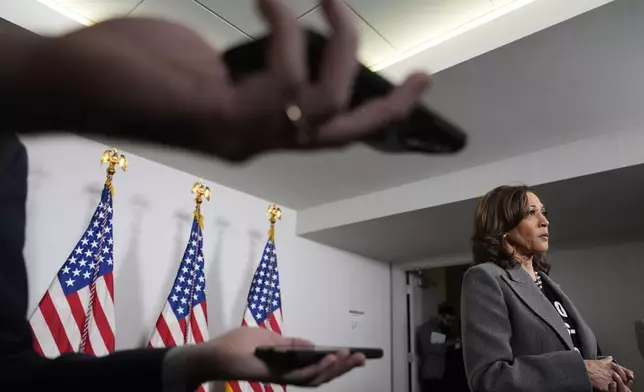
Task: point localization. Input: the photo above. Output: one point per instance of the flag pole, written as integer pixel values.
(274, 214)
(201, 191)
(113, 159)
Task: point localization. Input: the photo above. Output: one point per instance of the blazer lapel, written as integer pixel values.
(586, 336)
(521, 283)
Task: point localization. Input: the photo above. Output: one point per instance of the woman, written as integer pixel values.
(520, 331)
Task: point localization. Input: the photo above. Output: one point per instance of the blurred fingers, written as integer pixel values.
(339, 63)
(287, 55)
(375, 114)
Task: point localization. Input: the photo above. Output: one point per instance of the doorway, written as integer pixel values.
(427, 289)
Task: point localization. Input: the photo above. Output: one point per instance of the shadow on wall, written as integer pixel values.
(36, 178)
(214, 282)
(240, 303)
(127, 284)
(94, 190)
(183, 221)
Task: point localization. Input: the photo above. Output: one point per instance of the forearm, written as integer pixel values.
(41, 92)
(557, 371)
(122, 371)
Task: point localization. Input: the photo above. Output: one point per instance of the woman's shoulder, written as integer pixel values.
(485, 274)
(488, 268)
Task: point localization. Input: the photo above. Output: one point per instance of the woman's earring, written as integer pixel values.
(505, 235)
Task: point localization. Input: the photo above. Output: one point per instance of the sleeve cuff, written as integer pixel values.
(174, 371)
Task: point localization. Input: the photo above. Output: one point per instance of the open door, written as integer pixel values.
(415, 313)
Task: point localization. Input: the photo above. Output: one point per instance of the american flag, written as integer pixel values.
(184, 319)
(76, 314)
(264, 310)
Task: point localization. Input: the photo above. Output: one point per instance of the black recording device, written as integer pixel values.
(423, 131)
(290, 357)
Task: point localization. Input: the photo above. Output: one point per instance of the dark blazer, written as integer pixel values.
(514, 339)
(432, 356)
(20, 367)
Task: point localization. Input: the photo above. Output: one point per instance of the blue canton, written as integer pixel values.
(94, 251)
(189, 289)
(264, 296)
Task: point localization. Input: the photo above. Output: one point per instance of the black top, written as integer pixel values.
(21, 368)
(555, 300)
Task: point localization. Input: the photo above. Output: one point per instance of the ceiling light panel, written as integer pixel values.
(97, 11)
(243, 15)
(408, 23)
(501, 3)
(373, 48)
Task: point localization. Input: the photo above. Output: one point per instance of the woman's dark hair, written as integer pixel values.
(498, 212)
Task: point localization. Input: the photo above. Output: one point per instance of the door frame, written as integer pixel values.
(400, 355)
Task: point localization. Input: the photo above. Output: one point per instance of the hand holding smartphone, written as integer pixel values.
(423, 131)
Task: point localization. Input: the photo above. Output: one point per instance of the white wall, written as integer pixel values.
(153, 208)
(605, 283)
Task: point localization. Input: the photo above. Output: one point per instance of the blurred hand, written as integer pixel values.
(158, 81)
(232, 357)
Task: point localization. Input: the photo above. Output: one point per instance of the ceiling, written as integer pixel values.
(590, 209)
(571, 81)
(299, 181)
(387, 29)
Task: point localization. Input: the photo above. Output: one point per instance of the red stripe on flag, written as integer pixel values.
(269, 388)
(109, 282)
(54, 324)
(77, 310)
(196, 332)
(103, 324)
(275, 327)
(182, 325)
(256, 387)
(164, 333)
(234, 385)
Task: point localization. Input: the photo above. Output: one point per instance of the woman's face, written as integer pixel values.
(531, 235)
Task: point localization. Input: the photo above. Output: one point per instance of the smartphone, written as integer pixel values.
(296, 357)
(424, 131)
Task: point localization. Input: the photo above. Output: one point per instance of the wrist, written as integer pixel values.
(204, 363)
